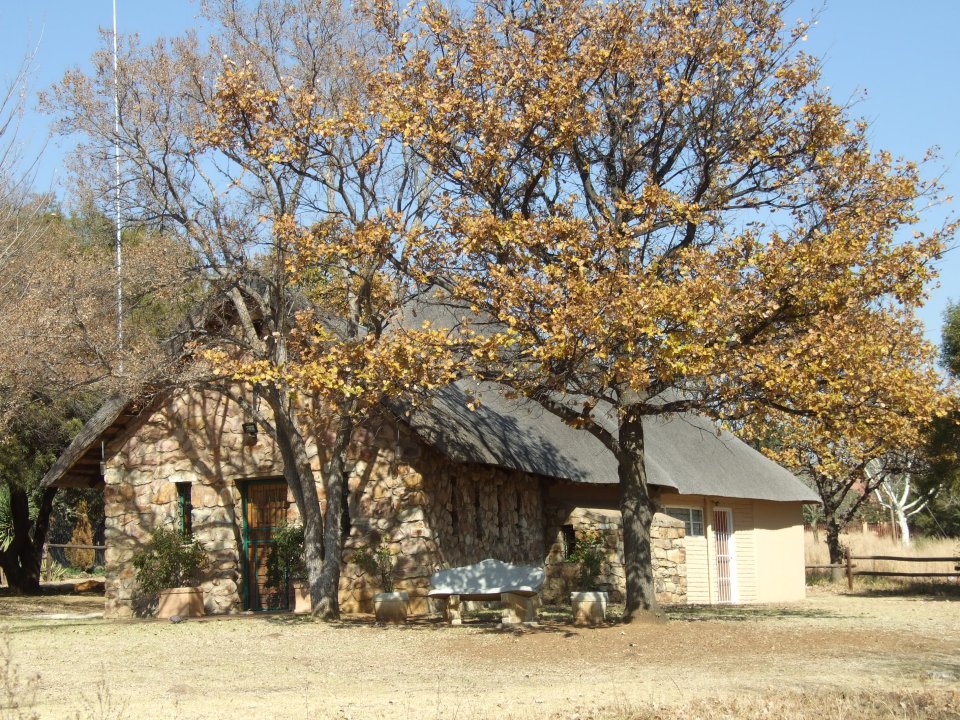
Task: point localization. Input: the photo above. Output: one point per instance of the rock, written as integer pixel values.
(89, 586)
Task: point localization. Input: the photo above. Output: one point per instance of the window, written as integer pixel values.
(568, 537)
(692, 519)
(185, 509)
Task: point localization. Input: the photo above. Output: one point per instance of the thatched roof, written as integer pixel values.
(79, 465)
(683, 451)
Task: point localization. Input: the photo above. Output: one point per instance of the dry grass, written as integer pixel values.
(834, 655)
(869, 544)
(18, 693)
(928, 704)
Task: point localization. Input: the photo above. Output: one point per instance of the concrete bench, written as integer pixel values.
(516, 586)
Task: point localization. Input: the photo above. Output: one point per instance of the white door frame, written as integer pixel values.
(731, 554)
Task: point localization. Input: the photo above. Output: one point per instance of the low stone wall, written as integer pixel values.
(667, 542)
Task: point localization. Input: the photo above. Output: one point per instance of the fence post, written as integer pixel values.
(45, 563)
(849, 571)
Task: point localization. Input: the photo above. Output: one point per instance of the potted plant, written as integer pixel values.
(589, 602)
(169, 568)
(388, 606)
(287, 566)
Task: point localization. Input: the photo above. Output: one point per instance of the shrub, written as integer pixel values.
(82, 535)
(376, 561)
(591, 555)
(286, 560)
(168, 562)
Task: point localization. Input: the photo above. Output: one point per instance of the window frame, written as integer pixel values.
(185, 509)
(689, 523)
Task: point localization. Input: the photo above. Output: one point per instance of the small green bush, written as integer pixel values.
(378, 561)
(168, 562)
(591, 555)
(286, 560)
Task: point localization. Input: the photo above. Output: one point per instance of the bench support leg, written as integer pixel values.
(452, 611)
(517, 609)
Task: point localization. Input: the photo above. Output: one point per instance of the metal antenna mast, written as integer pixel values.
(116, 157)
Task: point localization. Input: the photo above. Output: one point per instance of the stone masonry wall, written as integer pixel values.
(430, 511)
(433, 513)
(669, 555)
(192, 439)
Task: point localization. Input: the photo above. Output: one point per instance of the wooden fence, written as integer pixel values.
(850, 569)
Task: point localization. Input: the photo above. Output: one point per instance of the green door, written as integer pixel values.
(264, 510)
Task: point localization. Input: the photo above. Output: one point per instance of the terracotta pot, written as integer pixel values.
(589, 608)
(391, 607)
(300, 601)
(182, 601)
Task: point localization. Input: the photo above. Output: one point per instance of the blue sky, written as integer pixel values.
(904, 56)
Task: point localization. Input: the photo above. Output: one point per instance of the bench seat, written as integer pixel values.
(515, 585)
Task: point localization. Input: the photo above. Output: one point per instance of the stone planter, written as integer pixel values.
(300, 601)
(182, 601)
(391, 607)
(589, 608)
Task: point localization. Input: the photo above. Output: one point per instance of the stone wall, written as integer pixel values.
(430, 511)
(194, 439)
(667, 541)
(433, 513)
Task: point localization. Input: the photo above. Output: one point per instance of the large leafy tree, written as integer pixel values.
(941, 478)
(265, 151)
(661, 211)
(57, 339)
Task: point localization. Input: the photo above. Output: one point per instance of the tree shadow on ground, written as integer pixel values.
(554, 619)
(41, 625)
(915, 590)
(739, 613)
(927, 669)
(484, 620)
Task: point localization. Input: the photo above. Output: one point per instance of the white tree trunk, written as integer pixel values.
(894, 494)
(904, 527)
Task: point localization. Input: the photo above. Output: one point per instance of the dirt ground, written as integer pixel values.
(286, 666)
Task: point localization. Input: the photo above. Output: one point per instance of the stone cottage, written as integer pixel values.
(445, 487)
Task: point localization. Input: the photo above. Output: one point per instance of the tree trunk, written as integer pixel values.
(636, 507)
(833, 539)
(299, 476)
(21, 560)
(329, 606)
(903, 525)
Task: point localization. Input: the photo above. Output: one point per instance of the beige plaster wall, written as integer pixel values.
(768, 543)
(778, 536)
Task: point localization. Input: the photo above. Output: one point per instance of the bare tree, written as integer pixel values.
(264, 152)
(898, 493)
(18, 207)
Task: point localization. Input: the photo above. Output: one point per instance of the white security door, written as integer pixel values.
(726, 570)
